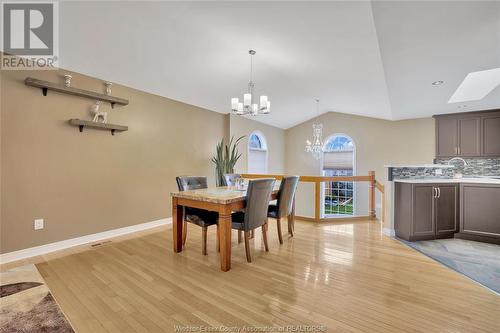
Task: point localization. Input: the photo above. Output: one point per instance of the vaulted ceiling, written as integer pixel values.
(371, 58)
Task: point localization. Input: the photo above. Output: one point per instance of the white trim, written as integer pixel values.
(389, 232)
(61, 245)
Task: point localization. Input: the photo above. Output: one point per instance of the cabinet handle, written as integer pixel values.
(435, 192)
(439, 192)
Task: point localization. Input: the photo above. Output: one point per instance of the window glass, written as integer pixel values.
(339, 143)
(254, 142)
(338, 161)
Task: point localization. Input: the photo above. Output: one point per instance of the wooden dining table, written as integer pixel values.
(223, 200)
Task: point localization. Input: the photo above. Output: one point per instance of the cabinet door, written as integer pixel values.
(480, 209)
(469, 137)
(491, 136)
(446, 137)
(423, 210)
(446, 209)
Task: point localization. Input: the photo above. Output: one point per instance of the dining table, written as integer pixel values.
(224, 200)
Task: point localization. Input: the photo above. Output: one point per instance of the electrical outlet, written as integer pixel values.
(38, 224)
(438, 172)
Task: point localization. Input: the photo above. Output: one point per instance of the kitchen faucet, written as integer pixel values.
(457, 159)
(457, 174)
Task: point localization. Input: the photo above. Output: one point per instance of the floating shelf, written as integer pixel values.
(92, 124)
(46, 85)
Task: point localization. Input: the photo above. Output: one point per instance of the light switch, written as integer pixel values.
(38, 224)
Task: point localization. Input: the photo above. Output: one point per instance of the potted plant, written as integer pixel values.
(225, 158)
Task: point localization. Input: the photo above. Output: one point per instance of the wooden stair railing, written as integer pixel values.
(317, 180)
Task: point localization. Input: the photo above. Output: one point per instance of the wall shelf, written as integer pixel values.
(92, 124)
(46, 86)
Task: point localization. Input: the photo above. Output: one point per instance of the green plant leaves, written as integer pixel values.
(225, 158)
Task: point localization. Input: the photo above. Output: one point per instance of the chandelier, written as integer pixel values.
(316, 146)
(248, 107)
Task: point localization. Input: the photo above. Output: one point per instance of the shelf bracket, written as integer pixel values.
(112, 132)
(112, 105)
(81, 128)
(44, 91)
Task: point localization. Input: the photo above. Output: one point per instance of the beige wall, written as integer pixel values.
(378, 143)
(83, 183)
(275, 138)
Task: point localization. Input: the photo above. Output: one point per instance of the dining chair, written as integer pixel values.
(200, 217)
(230, 179)
(255, 214)
(284, 204)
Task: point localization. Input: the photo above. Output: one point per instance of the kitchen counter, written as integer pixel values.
(431, 208)
(418, 166)
(451, 181)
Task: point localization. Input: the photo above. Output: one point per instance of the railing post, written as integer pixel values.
(371, 194)
(317, 201)
(383, 207)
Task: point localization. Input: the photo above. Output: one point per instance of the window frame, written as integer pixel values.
(263, 142)
(354, 170)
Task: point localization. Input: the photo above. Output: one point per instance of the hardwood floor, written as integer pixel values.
(347, 277)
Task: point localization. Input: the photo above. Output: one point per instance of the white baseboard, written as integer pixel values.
(389, 232)
(61, 245)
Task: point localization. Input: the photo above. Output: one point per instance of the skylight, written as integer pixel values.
(476, 86)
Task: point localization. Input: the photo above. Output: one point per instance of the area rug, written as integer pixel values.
(26, 304)
(478, 261)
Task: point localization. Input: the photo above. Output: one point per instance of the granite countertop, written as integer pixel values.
(441, 180)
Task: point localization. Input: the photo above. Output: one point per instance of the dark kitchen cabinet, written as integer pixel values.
(425, 211)
(446, 209)
(423, 206)
(446, 137)
(491, 135)
(480, 212)
(469, 137)
(472, 134)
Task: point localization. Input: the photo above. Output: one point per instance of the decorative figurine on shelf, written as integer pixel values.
(99, 114)
(108, 87)
(67, 80)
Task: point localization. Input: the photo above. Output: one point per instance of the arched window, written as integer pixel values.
(339, 160)
(254, 142)
(257, 153)
(339, 143)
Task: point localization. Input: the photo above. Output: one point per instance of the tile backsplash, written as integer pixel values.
(419, 173)
(475, 166)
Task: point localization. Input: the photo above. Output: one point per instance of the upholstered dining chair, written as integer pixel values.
(255, 213)
(200, 217)
(230, 179)
(284, 204)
